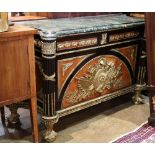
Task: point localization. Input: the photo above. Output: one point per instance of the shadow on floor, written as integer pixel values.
(22, 133)
(116, 105)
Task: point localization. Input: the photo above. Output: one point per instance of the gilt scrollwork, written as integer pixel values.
(122, 36)
(65, 67)
(98, 100)
(48, 47)
(46, 77)
(103, 75)
(76, 43)
(104, 38)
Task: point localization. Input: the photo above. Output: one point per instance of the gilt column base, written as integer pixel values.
(49, 134)
(138, 98)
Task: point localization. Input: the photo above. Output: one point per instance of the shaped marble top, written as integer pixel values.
(76, 25)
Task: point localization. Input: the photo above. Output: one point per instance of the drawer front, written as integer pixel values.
(87, 77)
(97, 39)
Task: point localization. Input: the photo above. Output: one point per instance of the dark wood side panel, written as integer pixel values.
(150, 35)
(150, 39)
(53, 15)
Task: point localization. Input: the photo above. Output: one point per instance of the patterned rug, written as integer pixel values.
(143, 134)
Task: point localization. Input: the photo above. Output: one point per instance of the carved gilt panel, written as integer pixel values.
(100, 76)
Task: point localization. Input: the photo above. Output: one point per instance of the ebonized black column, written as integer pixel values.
(48, 46)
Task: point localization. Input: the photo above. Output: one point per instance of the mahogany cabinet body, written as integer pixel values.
(17, 69)
(150, 42)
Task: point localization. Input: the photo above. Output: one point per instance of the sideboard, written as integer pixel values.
(17, 72)
(84, 61)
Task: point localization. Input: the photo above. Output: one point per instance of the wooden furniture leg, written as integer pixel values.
(34, 122)
(2, 114)
(14, 116)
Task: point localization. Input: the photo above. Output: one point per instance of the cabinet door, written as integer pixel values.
(88, 77)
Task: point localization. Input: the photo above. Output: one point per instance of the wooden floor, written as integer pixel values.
(91, 125)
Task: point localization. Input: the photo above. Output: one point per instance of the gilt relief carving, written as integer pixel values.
(76, 43)
(122, 36)
(101, 76)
